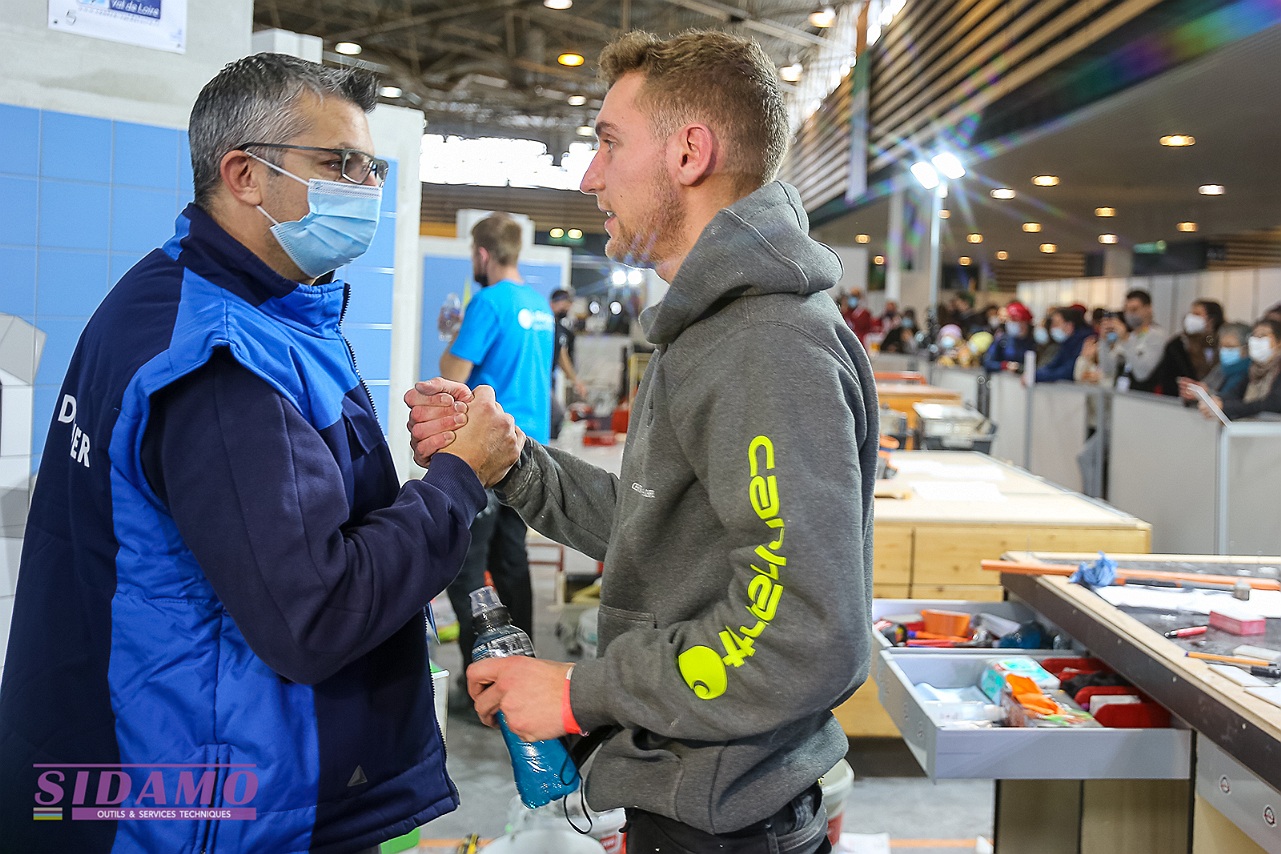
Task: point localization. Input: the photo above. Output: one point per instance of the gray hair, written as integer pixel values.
(255, 99)
(1238, 330)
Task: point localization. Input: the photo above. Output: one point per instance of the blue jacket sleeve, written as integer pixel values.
(1060, 367)
(258, 498)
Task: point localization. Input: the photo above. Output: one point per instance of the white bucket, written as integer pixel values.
(606, 827)
(544, 841)
(587, 631)
(836, 784)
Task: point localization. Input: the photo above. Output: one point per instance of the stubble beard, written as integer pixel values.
(651, 240)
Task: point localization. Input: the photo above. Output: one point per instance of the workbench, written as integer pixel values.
(1235, 791)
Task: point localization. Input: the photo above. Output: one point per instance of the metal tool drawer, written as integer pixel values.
(1013, 753)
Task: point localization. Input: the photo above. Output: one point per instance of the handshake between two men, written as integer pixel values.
(470, 422)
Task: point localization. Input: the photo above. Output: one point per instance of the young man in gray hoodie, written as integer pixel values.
(738, 541)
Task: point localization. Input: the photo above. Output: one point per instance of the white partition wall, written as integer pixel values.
(1059, 426)
(1163, 468)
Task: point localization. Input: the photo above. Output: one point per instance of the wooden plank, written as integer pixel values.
(969, 593)
(1136, 816)
(949, 555)
(892, 558)
(891, 591)
(1041, 816)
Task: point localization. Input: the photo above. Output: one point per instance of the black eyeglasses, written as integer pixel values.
(352, 164)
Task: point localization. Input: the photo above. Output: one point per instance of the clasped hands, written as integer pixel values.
(469, 422)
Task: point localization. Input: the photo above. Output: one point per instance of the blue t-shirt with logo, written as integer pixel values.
(508, 333)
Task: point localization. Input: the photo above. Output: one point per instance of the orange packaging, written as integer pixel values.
(947, 623)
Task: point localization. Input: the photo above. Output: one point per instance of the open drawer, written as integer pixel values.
(1015, 753)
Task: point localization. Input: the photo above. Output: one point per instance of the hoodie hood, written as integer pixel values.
(769, 227)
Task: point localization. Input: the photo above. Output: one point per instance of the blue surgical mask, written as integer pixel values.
(1111, 337)
(1014, 329)
(852, 302)
(337, 229)
(907, 323)
(1059, 334)
(1040, 336)
(1229, 356)
(947, 342)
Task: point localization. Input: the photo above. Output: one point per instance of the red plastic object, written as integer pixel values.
(1133, 716)
(1060, 666)
(599, 437)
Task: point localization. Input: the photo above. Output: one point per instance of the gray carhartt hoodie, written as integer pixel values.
(738, 542)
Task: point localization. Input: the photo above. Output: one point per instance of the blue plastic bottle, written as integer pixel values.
(543, 770)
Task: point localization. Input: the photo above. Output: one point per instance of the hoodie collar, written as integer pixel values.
(758, 245)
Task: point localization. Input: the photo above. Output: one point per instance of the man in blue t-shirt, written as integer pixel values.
(506, 340)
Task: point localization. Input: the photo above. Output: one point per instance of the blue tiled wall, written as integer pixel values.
(83, 199)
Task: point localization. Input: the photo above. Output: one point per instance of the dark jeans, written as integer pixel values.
(800, 827)
(497, 545)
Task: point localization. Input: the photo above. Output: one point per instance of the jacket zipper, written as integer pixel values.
(351, 353)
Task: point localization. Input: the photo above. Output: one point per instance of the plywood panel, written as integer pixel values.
(1135, 816)
(892, 556)
(1213, 833)
(969, 593)
(950, 555)
(891, 591)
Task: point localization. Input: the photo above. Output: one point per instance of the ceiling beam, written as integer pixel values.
(732, 14)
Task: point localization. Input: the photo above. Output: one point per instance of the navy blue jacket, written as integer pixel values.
(223, 585)
(1060, 367)
(1006, 348)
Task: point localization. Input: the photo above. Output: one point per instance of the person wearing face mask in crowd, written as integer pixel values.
(857, 317)
(1012, 342)
(1231, 367)
(1191, 354)
(1069, 332)
(1262, 389)
(226, 571)
(1137, 347)
(901, 337)
(949, 339)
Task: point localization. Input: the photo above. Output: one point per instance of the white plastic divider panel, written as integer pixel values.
(1163, 469)
(1059, 426)
(1252, 466)
(1007, 407)
(897, 362)
(963, 380)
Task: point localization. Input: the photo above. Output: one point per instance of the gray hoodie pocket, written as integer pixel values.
(613, 622)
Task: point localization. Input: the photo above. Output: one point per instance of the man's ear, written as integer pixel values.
(240, 177)
(695, 153)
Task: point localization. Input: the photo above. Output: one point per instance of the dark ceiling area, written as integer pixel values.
(1109, 155)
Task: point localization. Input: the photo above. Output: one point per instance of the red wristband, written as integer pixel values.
(566, 711)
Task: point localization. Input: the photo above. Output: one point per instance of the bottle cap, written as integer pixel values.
(484, 599)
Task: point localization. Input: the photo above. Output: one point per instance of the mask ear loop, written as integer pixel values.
(582, 797)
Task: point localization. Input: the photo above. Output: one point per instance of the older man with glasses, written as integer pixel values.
(219, 638)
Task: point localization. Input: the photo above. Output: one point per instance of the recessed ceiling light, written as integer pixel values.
(1031, 227)
(574, 233)
(577, 100)
(570, 58)
(945, 214)
(390, 92)
(974, 238)
(862, 238)
(1045, 180)
(1178, 140)
(1107, 238)
(558, 5)
(585, 130)
(1210, 189)
(791, 73)
(1105, 211)
(1049, 248)
(823, 18)
(556, 233)
(1186, 226)
(348, 48)
(965, 260)
(1002, 193)
(1002, 255)
(879, 260)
